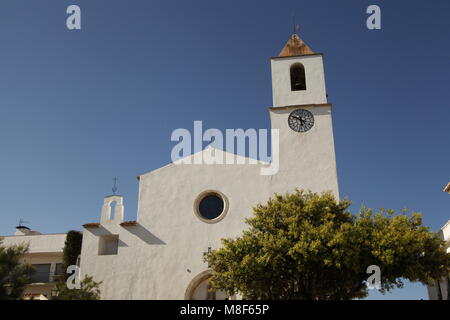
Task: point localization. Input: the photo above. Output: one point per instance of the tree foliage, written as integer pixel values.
(89, 290)
(309, 246)
(14, 272)
(72, 249)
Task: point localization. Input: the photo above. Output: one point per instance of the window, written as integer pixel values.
(41, 274)
(58, 269)
(59, 272)
(298, 79)
(108, 245)
(211, 206)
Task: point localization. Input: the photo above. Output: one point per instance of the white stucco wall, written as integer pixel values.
(307, 160)
(445, 234)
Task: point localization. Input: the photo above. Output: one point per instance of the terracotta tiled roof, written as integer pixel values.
(91, 225)
(295, 47)
(128, 223)
(447, 188)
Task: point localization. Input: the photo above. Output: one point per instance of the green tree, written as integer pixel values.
(309, 246)
(89, 290)
(14, 273)
(72, 249)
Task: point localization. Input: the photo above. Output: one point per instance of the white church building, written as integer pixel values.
(184, 210)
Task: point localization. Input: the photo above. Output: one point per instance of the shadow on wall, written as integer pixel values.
(138, 230)
(318, 111)
(105, 233)
(145, 235)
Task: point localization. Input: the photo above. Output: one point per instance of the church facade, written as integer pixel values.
(184, 210)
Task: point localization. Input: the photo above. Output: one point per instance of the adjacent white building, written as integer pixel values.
(440, 289)
(44, 254)
(185, 209)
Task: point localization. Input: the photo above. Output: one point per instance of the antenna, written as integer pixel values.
(114, 188)
(22, 222)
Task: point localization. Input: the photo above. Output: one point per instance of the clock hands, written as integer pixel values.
(299, 118)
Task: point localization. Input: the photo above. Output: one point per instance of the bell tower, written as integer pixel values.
(302, 115)
(297, 75)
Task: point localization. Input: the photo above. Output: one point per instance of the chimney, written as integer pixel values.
(25, 231)
(22, 231)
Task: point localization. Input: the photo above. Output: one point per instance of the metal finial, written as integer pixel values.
(295, 26)
(293, 23)
(114, 188)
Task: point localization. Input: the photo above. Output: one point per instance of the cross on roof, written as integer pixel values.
(114, 188)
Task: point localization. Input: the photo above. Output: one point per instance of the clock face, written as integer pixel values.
(301, 120)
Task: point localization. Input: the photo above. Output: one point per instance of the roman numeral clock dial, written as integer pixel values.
(301, 120)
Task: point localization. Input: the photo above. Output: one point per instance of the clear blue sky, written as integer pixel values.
(80, 107)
